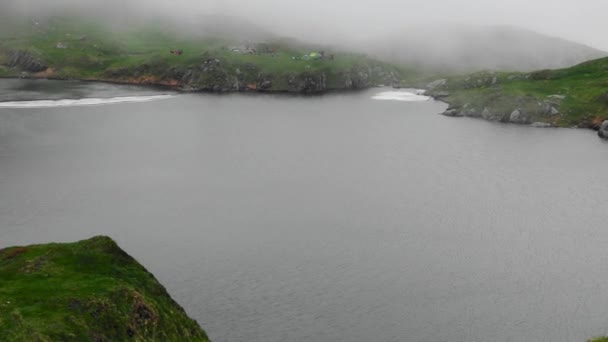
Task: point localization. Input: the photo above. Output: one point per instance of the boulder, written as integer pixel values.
(452, 112)
(266, 85)
(554, 111)
(515, 115)
(603, 131)
(348, 82)
(486, 114)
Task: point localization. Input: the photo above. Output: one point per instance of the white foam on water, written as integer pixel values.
(82, 102)
(402, 95)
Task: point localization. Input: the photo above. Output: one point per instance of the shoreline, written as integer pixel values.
(531, 125)
(455, 111)
(186, 90)
(182, 90)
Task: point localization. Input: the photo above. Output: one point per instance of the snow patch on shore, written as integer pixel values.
(409, 95)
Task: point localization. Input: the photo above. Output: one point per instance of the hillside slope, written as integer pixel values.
(576, 96)
(70, 48)
(85, 291)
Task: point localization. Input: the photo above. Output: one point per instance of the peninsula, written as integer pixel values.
(65, 47)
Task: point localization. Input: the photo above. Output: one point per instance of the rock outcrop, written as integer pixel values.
(94, 291)
(603, 131)
(215, 76)
(481, 95)
(308, 83)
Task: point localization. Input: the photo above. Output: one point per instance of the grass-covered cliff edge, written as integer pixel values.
(86, 291)
(570, 97)
(71, 48)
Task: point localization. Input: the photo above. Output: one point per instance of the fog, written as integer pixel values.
(389, 27)
(582, 21)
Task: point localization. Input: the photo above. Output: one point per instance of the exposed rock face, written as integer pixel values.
(24, 61)
(360, 79)
(603, 131)
(214, 76)
(309, 83)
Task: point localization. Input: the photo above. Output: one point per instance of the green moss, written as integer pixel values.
(89, 290)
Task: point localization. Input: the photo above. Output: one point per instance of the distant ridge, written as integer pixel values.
(472, 48)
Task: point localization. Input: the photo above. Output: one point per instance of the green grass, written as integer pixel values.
(131, 54)
(89, 290)
(584, 86)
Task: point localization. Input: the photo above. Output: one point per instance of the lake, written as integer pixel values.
(346, 217)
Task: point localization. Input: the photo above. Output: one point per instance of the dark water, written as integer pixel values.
(337, 218)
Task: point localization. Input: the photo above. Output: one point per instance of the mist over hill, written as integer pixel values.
(427, 43)
(472, 48)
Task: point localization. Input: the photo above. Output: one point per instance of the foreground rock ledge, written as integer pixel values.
(86, 291)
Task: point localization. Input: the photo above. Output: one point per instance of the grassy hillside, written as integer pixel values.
(85, 291)
(68, 47)
(576, 96)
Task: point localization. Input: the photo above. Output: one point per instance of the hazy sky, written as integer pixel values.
(325, 20)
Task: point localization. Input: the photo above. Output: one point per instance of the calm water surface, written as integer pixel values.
(336, 218)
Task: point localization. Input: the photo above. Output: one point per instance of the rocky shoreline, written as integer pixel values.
(497, 107)
(483, 96)
(212, 75)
